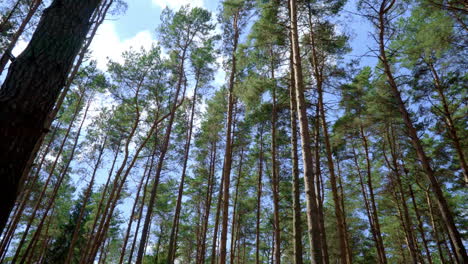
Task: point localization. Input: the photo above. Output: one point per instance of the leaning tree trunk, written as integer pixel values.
(445, 212)
(31, 87)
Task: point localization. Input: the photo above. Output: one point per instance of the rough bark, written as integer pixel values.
(33, 82)
(312, 215)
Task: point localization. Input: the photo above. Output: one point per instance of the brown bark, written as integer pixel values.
(164, 148)
(318, 182)
(345, 254)
(100, 206)
(216, 227)
(140, 212)
(235, 214)
(375, 217)
(133, 212)
(259, 197)
(447, 216)
(297, 222)
(49, 177)
(275, 176)
(447, 119)
(435, 230)
(175, 223)
(85, 203)
(24, 105)
(420, 225)
(61, 178)
(228, 150)
(368, 208)
(209, 195)
(312, 214)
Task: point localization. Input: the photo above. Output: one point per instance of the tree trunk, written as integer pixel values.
(228, 149)
(275, 177)
(375, 217)
(297, 222)
(7, 55)
(259, 197)
(31, 87)
(312, 214)
(206, 215)
(234, 211)
(164, 148)
(216, 226)
(442, 204)
(133, 211)
(447, 119)
(175, 223)
(420, 225)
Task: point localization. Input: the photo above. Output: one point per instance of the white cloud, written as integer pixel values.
(176, 4)
(107, 44)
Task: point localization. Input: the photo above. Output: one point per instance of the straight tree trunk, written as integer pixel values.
(140, 211)
(345, 253)
(228, 149)
(216, 226)
(234, 211)
(312, 213)
(31, 87)
(259, 197)
(319, 187)
(206, 215)
(447, 216)
(297, 222)
(275, 176)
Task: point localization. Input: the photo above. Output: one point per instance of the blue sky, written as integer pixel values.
(137, 26)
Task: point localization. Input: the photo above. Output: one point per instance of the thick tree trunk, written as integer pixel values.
(447, 216)
(312, 214)
(31, 87)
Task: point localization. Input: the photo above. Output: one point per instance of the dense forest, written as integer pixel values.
(302, 155)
